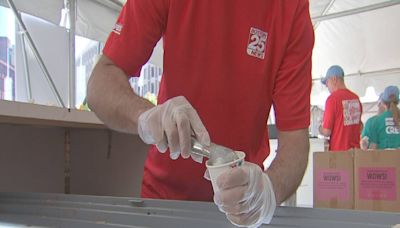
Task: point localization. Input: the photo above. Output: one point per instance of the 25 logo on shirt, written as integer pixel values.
(257, 43)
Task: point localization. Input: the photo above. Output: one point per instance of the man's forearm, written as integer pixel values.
(111, 97)
(323, 131)
(290, 163)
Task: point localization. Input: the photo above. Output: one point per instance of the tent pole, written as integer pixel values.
(355, 11)
(36, 53)
(327, 8)
(26, 69)
(71, 5)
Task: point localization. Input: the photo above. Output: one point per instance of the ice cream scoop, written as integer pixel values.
(215, 153)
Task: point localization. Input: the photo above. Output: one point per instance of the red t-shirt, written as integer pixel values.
(343, 117)
(232, 60)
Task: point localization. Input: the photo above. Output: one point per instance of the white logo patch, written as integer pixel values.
(351, 112)
(391, 128)
(117, 28)
(257, 43)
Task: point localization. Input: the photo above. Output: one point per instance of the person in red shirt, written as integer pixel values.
(342, 116)
(225, 63)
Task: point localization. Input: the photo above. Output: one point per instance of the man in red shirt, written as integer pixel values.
(342, 116)
(225, 63)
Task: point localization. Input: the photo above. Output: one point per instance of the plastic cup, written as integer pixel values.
(216, 170)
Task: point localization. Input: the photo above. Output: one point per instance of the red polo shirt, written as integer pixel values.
(343, 117)
(232, 60)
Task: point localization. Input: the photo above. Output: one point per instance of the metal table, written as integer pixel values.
(60, 210)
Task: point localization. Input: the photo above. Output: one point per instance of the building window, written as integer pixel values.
(147, 85)
(7, 54)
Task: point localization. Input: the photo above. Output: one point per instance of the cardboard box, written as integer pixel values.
(333, 179)
(377, 180)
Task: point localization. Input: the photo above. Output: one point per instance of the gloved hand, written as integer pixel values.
(170, 125)
(364, 143)
(246, 196)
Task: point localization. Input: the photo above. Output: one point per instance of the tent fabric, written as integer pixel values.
(371, 42)
(49, 10)
(365, 44)
(94, 20)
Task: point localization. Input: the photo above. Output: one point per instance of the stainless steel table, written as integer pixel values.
(59, 210)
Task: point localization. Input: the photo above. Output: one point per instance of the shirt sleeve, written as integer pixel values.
(291, 95)
(139, 27)
(368, 127)
(329, 114)
(365, 131)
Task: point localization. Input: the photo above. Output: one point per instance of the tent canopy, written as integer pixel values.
(365, 44)
(361, 36)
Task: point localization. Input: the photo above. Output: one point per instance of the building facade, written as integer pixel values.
(7, 69)
(148, 84)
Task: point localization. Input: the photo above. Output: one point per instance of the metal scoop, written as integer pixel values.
(216, 154)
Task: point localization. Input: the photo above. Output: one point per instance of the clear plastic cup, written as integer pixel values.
(216, 170)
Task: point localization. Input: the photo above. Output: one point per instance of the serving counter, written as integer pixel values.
(61, 210)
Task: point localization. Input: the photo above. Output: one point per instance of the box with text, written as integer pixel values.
(333, 179)
(377, 180)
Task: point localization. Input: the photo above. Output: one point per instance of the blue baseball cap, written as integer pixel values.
(334, 70)
(391, 93)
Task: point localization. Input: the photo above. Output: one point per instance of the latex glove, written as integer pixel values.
(246, 196)
(170, 125)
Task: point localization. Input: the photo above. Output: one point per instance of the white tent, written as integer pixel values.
(361, 36)
(365, 44)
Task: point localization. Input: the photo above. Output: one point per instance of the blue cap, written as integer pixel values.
(334, 70)
(391, 93)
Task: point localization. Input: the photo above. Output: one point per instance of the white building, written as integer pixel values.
(149, 80)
